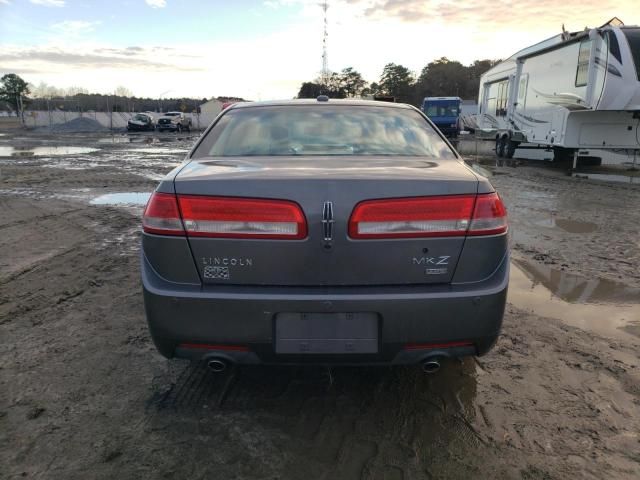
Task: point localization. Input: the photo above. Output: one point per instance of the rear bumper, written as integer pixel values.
(183, 319)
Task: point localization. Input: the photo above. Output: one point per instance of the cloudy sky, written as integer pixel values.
(262, 49)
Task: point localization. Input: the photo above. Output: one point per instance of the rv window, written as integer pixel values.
(502, 98)
(633, 36)
(614, 47)
(522, 89)
(582, 74)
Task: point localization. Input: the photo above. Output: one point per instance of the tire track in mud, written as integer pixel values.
(359, 426)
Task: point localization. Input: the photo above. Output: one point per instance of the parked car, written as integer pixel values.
(174, 121)
(141, 121)
(324, 232)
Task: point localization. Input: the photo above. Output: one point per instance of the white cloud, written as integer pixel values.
(74, 28)
(4, 2)
(156, 3)
(49, 3)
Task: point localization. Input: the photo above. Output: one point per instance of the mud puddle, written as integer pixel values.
(44, 151)
(603, 306)
(161, 150)
(143, 139)
(568, 225)
(123, 198)
(605, 177)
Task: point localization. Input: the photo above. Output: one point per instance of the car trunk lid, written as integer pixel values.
(327, 190)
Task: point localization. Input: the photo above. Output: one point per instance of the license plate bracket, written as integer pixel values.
(326, 333)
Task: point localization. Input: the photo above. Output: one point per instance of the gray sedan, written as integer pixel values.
(324, 232)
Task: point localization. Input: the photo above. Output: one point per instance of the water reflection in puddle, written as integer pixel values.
(602, 306)
(606, 177)
(143, 139)
(43, 151)
(125, 198)
(160, 150)
(570, 226)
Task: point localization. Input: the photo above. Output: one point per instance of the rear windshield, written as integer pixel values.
(633, 36)
(310, 130)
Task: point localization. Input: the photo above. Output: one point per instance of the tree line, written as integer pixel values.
(16, 94)
(442, 77)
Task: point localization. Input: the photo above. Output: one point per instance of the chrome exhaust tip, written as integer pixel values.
(431, 366)
(216, 365)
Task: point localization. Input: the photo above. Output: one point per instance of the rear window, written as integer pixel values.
(442, 109)
(633, 37)
(310, 130)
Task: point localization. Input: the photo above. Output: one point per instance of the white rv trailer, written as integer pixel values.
(572, 91)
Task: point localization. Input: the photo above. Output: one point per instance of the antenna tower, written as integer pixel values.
(325, 57)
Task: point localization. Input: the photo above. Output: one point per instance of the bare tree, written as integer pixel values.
(122, 91)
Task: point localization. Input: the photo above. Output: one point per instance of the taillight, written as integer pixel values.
(231, 217)
(438, 216)
(162, 216)
(489, 216)
(443, 216)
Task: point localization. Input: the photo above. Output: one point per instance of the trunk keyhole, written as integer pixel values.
(425, 250)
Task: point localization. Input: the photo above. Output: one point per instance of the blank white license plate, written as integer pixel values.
(326, 333)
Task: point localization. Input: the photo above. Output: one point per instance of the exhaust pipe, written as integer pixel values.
(217, 365)
(431, 365)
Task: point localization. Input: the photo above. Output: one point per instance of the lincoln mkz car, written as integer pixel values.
(324, 232)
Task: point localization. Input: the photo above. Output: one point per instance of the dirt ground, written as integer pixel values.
(83, 393)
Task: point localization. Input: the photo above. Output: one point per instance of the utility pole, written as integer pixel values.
(21, 108)
(160, 105)
(325, 56)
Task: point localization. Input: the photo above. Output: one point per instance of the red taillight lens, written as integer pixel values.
(489, 216)
(418, 217)
(161, 215)
(443, 216)
(230, 217)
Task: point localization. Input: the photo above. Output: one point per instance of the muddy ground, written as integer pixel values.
(83, 394)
